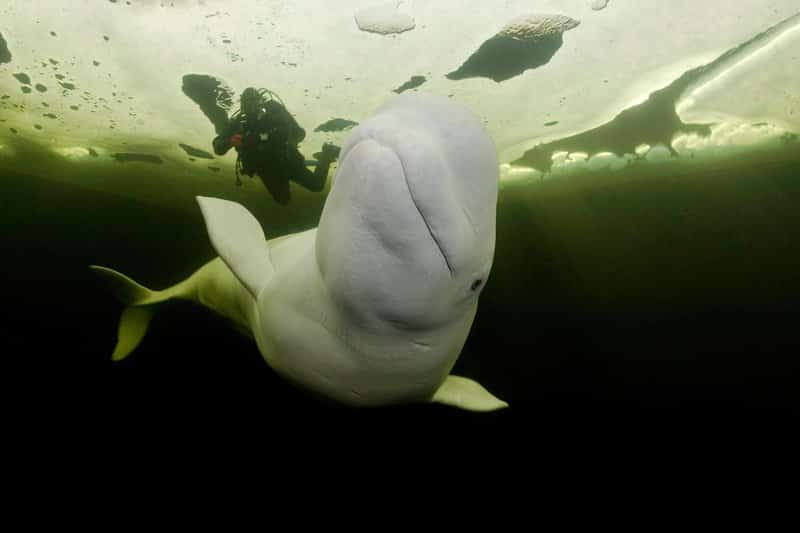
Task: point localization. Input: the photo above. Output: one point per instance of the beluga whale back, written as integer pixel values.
(373, 306)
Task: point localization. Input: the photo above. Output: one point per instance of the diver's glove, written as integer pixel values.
(329, 153)
(251, 140)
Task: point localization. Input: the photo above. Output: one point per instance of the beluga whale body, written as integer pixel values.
(372, 307)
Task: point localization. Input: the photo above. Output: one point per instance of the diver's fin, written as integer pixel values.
(139, 301)
(239, 239)
(467, 394)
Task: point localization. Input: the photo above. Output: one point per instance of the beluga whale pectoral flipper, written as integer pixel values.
(373, 306)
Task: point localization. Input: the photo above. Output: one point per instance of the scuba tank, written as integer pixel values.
(265, 96)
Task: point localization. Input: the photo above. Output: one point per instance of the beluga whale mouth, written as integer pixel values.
(422, 215)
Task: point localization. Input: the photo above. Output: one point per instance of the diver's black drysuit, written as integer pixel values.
(269, 148)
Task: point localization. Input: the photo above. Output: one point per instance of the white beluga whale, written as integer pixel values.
(372, 307)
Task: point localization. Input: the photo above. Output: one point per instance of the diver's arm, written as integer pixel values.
(294, 133)
(221, 145)
(227, 139)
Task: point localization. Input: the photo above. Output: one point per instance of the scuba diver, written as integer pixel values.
(265, 136)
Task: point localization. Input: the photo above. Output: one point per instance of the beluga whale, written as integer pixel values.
(373, 306)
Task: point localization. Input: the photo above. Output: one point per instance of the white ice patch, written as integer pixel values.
(764, 85)
(608, 160)
(597, 5)
(76, 153)
(572, 161)
(530, 27)
(559, 158)
(727, 135)
(384, 19)
(516, 175)
(658, 154)
(578, 157)
(578, 161)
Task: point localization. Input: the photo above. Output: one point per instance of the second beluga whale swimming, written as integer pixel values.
(373, 306)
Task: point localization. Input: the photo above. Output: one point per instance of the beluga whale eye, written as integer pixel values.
(476, 284)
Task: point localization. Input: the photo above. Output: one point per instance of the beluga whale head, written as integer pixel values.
(407, 234)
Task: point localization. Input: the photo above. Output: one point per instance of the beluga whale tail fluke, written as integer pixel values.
(372, 307)
(139, 308)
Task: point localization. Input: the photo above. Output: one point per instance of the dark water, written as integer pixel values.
(666, 297)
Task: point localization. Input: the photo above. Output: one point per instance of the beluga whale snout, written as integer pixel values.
(420, 177)
(373, 306)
